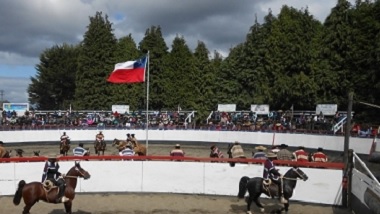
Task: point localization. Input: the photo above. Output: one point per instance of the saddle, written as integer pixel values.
(270, 188)
(48, 185)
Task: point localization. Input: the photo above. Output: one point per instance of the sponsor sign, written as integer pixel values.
(260, 109)
(121, 109)
(19, 108)
(227, 107)
(326, 109)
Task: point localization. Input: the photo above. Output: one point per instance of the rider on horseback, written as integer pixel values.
(99, 138)
(271, 173)
(52, 174)
(65, 139)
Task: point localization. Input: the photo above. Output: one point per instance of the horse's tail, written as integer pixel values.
(18, 194)
(243, 186)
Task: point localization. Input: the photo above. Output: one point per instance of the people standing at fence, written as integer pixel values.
(80, 151)
(284, 153)
(127, 151)
(319, 156)
(237, 150)
(301, 155)
(215, 152)
(260, 154)
(177, 151)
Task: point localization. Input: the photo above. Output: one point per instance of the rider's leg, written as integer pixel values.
(61, 198)
(280, 189)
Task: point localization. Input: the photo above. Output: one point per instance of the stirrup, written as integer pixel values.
(63, 199)
(283, 200)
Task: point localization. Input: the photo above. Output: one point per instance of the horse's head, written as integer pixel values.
(299, 173)
(36, 153)
(78, 171)
(19, 152)
(115, 142)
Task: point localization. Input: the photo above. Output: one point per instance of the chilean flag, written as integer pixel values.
(129, 72)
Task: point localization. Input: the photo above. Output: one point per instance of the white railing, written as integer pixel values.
(209, 116)
(339, 125)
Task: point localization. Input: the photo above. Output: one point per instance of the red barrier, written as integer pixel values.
(328, 165)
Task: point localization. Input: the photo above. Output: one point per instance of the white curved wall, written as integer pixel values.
(174, 177)
(334, 143)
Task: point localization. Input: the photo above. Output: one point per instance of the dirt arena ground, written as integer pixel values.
(138, 203)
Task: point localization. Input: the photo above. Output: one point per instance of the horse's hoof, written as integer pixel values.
(262, 210)
(249, 212)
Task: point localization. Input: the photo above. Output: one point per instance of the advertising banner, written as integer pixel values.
(326, 109)
(260, 109)
(121, 109)
(19, 108)
(227, 107)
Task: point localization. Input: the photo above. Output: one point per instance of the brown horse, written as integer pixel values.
(35, 191)
(138, 148)
(64, 147)
(100, 146)
(120, 144)
(5, 153)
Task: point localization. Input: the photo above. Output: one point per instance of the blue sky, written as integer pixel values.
(29, 27)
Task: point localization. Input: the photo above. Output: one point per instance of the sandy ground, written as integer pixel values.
(137, 203)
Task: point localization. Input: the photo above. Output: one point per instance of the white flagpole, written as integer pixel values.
(147, 105)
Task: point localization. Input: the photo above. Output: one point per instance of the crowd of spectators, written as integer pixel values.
(275, 121)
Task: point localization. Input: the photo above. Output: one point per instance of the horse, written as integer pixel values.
(64, 148)
(100, 146)
(34, 191)
(36, 153)
(19, 152)
(138, 148)
(120, 144)
(5, 153)
(256, 187)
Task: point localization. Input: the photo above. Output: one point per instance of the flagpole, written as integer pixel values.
(147, 106)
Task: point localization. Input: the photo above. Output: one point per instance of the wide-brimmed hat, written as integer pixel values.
(52, 155)
(271, 155)
(236, 142)
(260, 148)
(283, 145)
(177, 145)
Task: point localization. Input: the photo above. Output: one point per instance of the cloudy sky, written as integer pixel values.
(27, 27)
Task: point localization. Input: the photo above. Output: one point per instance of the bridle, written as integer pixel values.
(75, 177)
(294, 179)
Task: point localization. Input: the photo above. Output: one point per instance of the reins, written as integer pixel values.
(294, 179)
(70, 176)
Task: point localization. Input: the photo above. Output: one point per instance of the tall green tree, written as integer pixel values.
(95, 62)
(54, 84)
(154, 43)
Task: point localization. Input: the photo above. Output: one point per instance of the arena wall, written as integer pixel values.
(334, 143)
(174, 177)
(366, 194)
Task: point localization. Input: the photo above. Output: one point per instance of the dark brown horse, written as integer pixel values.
(100, 146)
(5, 153)
(35, 191)
(64, 148)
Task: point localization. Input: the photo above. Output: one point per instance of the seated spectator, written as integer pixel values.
(237, 151)
(284, 153)
(300, 155)
(260, 154)
(275, 149)
(319, 156)
(177, 151)
(215, 152)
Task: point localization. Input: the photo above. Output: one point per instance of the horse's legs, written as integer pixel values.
(68, 206)
(258, 203)
(27, 207)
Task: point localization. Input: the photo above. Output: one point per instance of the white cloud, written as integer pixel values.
(15, 89)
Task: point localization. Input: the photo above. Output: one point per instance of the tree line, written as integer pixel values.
(288, 59)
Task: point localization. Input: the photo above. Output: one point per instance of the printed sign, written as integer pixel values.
(260, 109)
(19, 108)
(121, 109)
(326, 109)
(227, 107)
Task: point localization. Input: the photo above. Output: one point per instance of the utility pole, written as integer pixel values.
(346, 197)
(1, 95)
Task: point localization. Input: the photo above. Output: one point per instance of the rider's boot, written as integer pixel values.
(281, 196)
(61, 198)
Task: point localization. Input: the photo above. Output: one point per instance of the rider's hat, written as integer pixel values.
(271, 155)
(177, 145)
(52, 156)
(261, 148)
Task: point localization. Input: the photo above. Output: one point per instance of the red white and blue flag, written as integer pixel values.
(129, 72)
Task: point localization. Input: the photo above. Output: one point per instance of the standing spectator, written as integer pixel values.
(237, 151)
(275, 149)
(300, 155)
(260, 154)
(177, 151)
(319, 156)
(80, 151)
(215, 152)
(284, 153)
(127, 151)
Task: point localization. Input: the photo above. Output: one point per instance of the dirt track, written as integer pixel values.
(137, 203)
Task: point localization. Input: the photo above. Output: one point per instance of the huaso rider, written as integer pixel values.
(271, 173)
